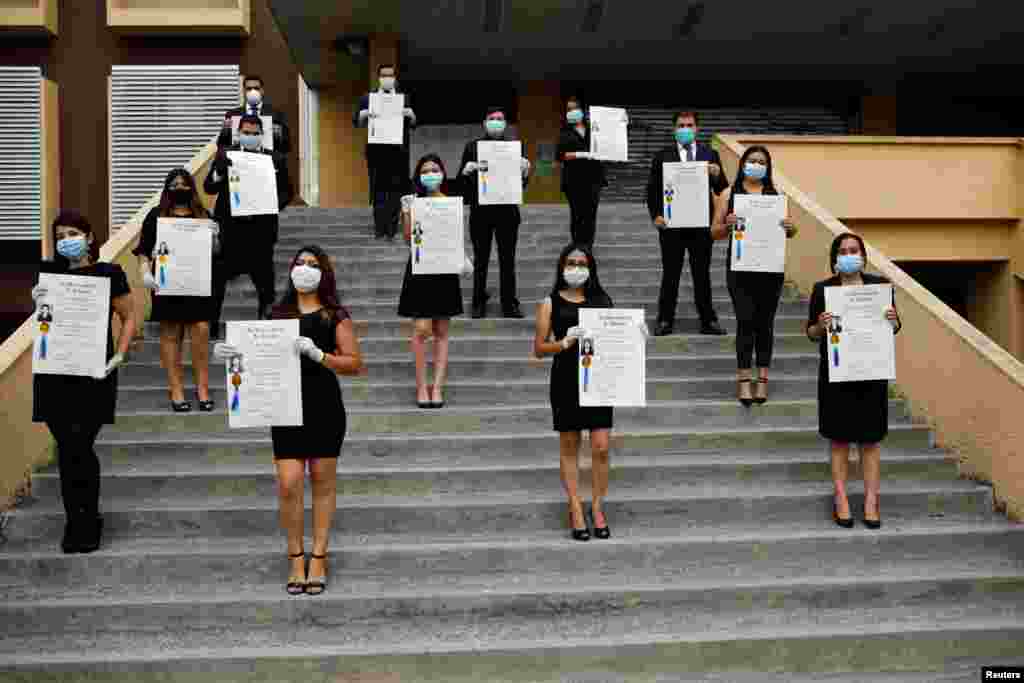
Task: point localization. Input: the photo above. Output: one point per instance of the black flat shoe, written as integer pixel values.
(91, 534)
(181, 406)
(204, 406)
(514, 312)
(601, 532)
(480, 311)
(746, 402)
(712, 328)
(845, 522)
(663, 329)
(71, 542)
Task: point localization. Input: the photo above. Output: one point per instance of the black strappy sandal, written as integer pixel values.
(181, 406)
(316, 585)
(294, 587)
(204, 406)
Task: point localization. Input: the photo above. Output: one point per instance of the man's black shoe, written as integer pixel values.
(712, 328)
(479, 310)
(514, 312)
(663, 329)
(379, 236)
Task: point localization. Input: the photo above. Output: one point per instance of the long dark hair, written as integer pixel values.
(73, 219)
(769, 184)
(833, 254)
(420, 190)
(327, 291)
(593, 292)
(166, 204)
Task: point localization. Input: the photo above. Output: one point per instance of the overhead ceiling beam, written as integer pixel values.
(593, 12)
(494, 15)
(694, 15)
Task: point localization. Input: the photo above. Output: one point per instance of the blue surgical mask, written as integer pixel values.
(574, 116)
(250, 142)
(755, 171)
(431, 181)
(495, 126)
(253, 97)
(72, 248)
(848, 264)
(685, 136)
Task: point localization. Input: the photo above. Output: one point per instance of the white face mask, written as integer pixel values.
(576, 276)
(253, 97)
(306, 278)
(387, 83)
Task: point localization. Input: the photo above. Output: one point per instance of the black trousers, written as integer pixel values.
(755, 297)
(255, 259)
(487, 224)
(79, 467)
(583, 213)
(387, 204)
(675, 242)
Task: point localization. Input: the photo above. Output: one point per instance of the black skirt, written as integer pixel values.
(429, 296)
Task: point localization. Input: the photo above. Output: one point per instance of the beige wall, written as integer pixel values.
(968, 388)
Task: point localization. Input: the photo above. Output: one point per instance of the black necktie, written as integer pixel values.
(689, 153)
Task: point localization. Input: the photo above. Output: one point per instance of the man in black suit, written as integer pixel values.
(387, 165)
(255, 105)
(247, 241)
(675, 242)
(491, 221)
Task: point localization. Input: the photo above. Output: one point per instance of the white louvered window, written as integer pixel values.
(20, 152)
(160, 118)
(309, 140)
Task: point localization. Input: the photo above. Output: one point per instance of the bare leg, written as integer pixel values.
(569, 448)
(323, 473)
(840, 468)
(420, 334)
(170, 355)
(440, 357)
(871, 463)
(290, 479)
(200, 334)
(599, 472)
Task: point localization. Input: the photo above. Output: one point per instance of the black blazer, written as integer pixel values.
(580, 174)
(467, 185)
(222, 209)
(671, 155)
(282, 137)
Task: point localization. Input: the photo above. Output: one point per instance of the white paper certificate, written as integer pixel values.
(252, 182)
(759, 241)
(184, 256)
(437, 236)
(612, 358)
(860, 341)
(265, 381)
(685, 194)
(388, 123)
(72, 325)
(268, 131)
(609, 140)
(499, 177)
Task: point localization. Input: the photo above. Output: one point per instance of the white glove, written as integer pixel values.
(223, 351)
(467, 264)
(576, 332)
(364, 114)
(643, 330)
(112, 365)
(471, 167)
(407, 201)
(39, 292)
(407, 113)
(524, 165)
(148, 281)
(308, 348)
(584, 155)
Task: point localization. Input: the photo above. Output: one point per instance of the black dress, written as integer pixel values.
(60, 398)
(178, 309)
(566, 412)
(323, 412)
(850, 412)
(429, 296)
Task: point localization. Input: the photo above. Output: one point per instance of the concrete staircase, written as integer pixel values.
(450, 560)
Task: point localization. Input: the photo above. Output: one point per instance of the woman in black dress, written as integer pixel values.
(850, 412)
(76, 408)
(583, 177)
(329, 347)
(179, 313)
(558, 332)
(755, 296)
(430, 300)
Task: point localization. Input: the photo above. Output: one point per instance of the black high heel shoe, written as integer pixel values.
(845, 522)
(747, 402)
(578, 534)
(873, 523)
(181, 406)
(761, 400)
(601, 532)
(204, 406)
